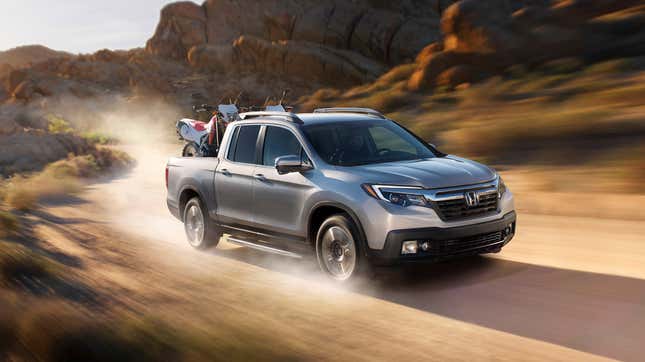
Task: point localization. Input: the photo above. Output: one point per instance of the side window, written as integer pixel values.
(279, 142)
(245, 145)
(231, 149)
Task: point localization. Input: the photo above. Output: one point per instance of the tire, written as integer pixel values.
(339, 249)
(190, 150)
(200, 231)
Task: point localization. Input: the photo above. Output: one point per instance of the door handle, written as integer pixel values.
(225, 172)
(259, 177)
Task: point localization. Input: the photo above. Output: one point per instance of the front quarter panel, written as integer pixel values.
(376, 217)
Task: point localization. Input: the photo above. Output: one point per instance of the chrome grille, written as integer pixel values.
(457, 208)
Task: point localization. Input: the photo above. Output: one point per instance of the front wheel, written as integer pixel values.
(201, 232)
(338, 249)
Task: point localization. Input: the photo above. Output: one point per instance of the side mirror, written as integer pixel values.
(291, 163)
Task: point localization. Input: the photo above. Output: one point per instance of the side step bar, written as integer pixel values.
(264, 248)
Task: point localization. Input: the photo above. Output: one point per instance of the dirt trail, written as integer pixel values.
(564, 289)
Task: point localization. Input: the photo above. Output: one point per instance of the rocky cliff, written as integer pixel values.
(213, 51)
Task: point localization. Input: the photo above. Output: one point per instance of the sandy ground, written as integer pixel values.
(566, 288)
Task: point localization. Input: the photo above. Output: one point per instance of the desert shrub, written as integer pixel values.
(97, 138)
(58, 125)
(321, 98)
(20, 265)
(73, 166)
(20, 195)
(62, 178)
(562, 66)
(112, 160)
(614, 66)
(388, 101)
(397, 74)
(8, 224)
(55, 331)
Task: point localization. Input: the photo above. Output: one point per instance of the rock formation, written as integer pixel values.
(24, 55)
(490, 36)
(349, 37)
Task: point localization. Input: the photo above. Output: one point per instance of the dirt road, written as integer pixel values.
(565, 289)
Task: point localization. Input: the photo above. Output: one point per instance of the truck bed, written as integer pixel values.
(194, 174)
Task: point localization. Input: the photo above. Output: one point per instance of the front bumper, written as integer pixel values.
(445, 243)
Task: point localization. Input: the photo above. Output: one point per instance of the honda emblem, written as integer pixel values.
(472, 198)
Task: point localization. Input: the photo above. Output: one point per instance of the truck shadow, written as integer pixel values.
(595, 313)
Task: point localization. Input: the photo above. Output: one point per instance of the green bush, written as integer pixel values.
(59, 125)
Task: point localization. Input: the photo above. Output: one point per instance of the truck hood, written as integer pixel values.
(440, 172)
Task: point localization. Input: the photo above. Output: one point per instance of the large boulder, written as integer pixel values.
(216, 58)
(297, 59)
(182, 26)
(32, 150)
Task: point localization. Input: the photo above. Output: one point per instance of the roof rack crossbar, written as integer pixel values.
(367, 111)
(291, 117)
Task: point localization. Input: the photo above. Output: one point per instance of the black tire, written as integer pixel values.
(194, 214)
(340, 224)
(190, 150)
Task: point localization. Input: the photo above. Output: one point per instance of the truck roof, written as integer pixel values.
(323, 115)
(311, 118)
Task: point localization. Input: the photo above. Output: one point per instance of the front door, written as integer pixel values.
(279, 198)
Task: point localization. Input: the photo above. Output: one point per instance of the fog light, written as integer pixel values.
(409, 247)
(425, 246)
(508, 230)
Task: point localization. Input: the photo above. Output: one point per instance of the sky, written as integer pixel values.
(79, 26)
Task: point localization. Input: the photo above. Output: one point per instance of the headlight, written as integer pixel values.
(501, 187)
(399, 195)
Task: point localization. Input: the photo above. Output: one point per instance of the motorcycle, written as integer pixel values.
(203, 138)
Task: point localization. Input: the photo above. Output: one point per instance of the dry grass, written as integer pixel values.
(19, 265)
(562, 112)
(39, 323)
(62, 178)
(8, 224)
(51, 330)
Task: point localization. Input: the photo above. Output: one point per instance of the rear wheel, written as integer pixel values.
(338, 249)
(201, 232)
(190, 150)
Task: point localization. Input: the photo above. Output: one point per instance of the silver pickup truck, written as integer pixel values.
(347, 185)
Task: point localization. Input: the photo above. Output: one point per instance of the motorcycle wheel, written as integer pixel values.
(190, 150)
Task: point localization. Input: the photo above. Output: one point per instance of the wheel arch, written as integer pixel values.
(323, 210)
(188, 192)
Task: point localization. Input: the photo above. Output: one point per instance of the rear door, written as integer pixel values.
(279, 198)
(234, 177)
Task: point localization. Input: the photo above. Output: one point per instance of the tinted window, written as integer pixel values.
(231, 148)
(365, 142)
(279, 142)
(245, 145)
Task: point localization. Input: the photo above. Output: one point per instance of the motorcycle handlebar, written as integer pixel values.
(204, 108)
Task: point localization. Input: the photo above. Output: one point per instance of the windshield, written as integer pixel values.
(365, 142)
